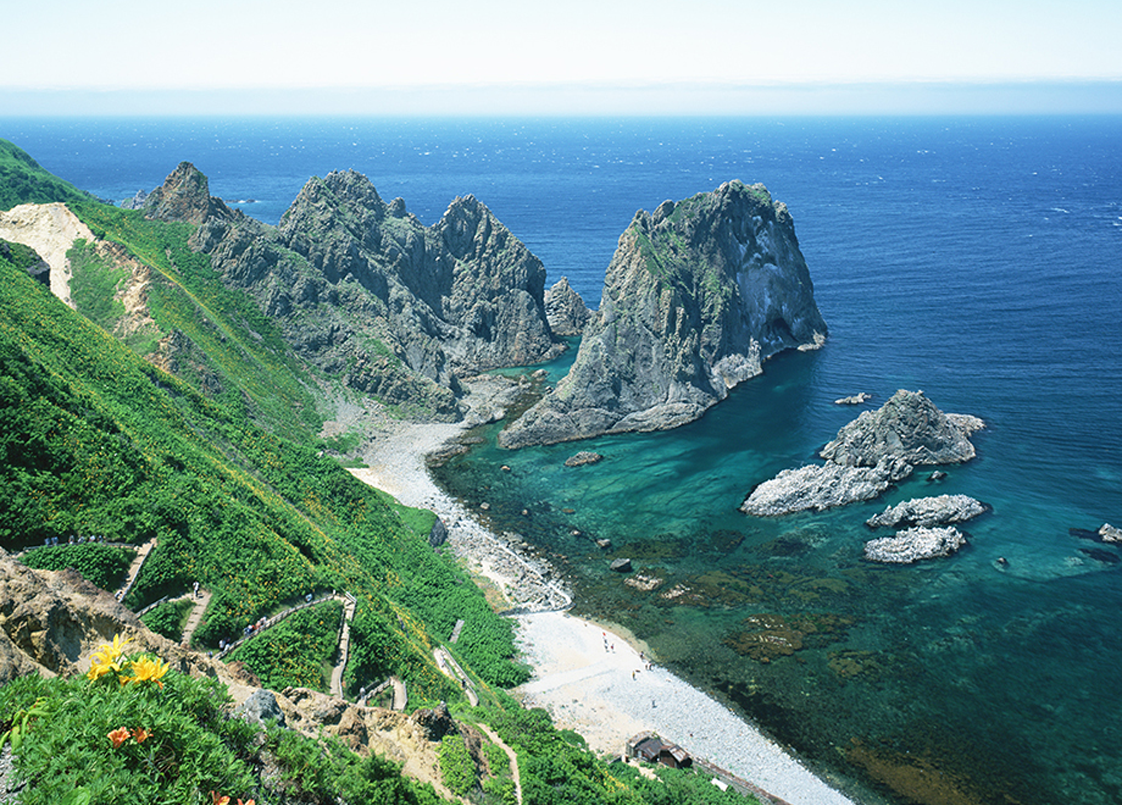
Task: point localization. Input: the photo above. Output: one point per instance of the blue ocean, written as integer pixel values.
(978, 259)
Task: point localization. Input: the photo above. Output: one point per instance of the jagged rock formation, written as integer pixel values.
(50, 622)
(876, 450)
(928, 512)
(566, 311)
(697, 296)
(914, 544)
(1109, 533)
(817, 488)
(908, 426)
(185, 196)
(362, 289)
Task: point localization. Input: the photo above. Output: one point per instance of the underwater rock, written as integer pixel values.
(582, 458)
(854, 399)
(621, 565)
(914, 544)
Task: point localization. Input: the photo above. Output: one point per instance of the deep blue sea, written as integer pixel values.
(978, 259)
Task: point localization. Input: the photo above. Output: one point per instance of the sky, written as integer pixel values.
(595, 56)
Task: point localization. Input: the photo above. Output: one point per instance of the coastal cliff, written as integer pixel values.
(697, 296)
(363, 290)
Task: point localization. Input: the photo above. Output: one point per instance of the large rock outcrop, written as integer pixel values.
(566, 311)
(871, 453)
(909, 427)
(697, 296)
(915, 544)
(928, 512)
(363, 289)
(185, 197)
(51, 621)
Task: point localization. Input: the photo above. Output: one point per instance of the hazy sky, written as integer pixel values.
(575, 52)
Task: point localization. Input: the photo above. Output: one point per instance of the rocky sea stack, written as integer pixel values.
(697, 296)
(871, 453)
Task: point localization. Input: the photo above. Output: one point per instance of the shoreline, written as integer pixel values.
(589, 677)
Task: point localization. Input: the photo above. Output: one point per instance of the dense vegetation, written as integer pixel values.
(95, 440)
(168, 618)
(163, 737)
(24, 181)
(297, 651)
(104, 565)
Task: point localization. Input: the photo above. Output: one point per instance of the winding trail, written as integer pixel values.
(142, 552)
(495, 739)
(344, 649)
(196, 616)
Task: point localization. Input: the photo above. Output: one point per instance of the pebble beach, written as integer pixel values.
(591, 678)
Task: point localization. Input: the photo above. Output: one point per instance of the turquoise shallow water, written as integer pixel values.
(977, 259)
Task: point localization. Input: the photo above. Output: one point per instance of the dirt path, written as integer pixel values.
(510, 754)
(134, 568)
(196, 616)
(344, 645)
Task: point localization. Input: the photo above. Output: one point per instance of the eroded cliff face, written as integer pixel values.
(697, 296)
(362, 288)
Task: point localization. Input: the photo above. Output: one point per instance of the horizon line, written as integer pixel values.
(905, 98)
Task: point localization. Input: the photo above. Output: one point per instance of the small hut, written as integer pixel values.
(647, 746)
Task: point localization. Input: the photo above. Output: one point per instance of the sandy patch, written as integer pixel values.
(594, 682)
(49, 229)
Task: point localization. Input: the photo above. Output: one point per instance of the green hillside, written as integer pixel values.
(24, 181)
(219, 464)
(96, 441)
(222, 344)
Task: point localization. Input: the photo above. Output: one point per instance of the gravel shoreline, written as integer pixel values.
(590, 678)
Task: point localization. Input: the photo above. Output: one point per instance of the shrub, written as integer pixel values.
(456, 766)
(164, 737)
(295, 651)
(168, 618)
(103, 565)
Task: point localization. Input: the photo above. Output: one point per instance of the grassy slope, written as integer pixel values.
(23, 180)
(95, 440)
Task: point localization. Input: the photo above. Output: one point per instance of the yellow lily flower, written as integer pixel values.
(147, 669)
(105, 658)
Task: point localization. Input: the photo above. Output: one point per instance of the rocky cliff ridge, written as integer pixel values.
(697, 296)
(362, 289)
